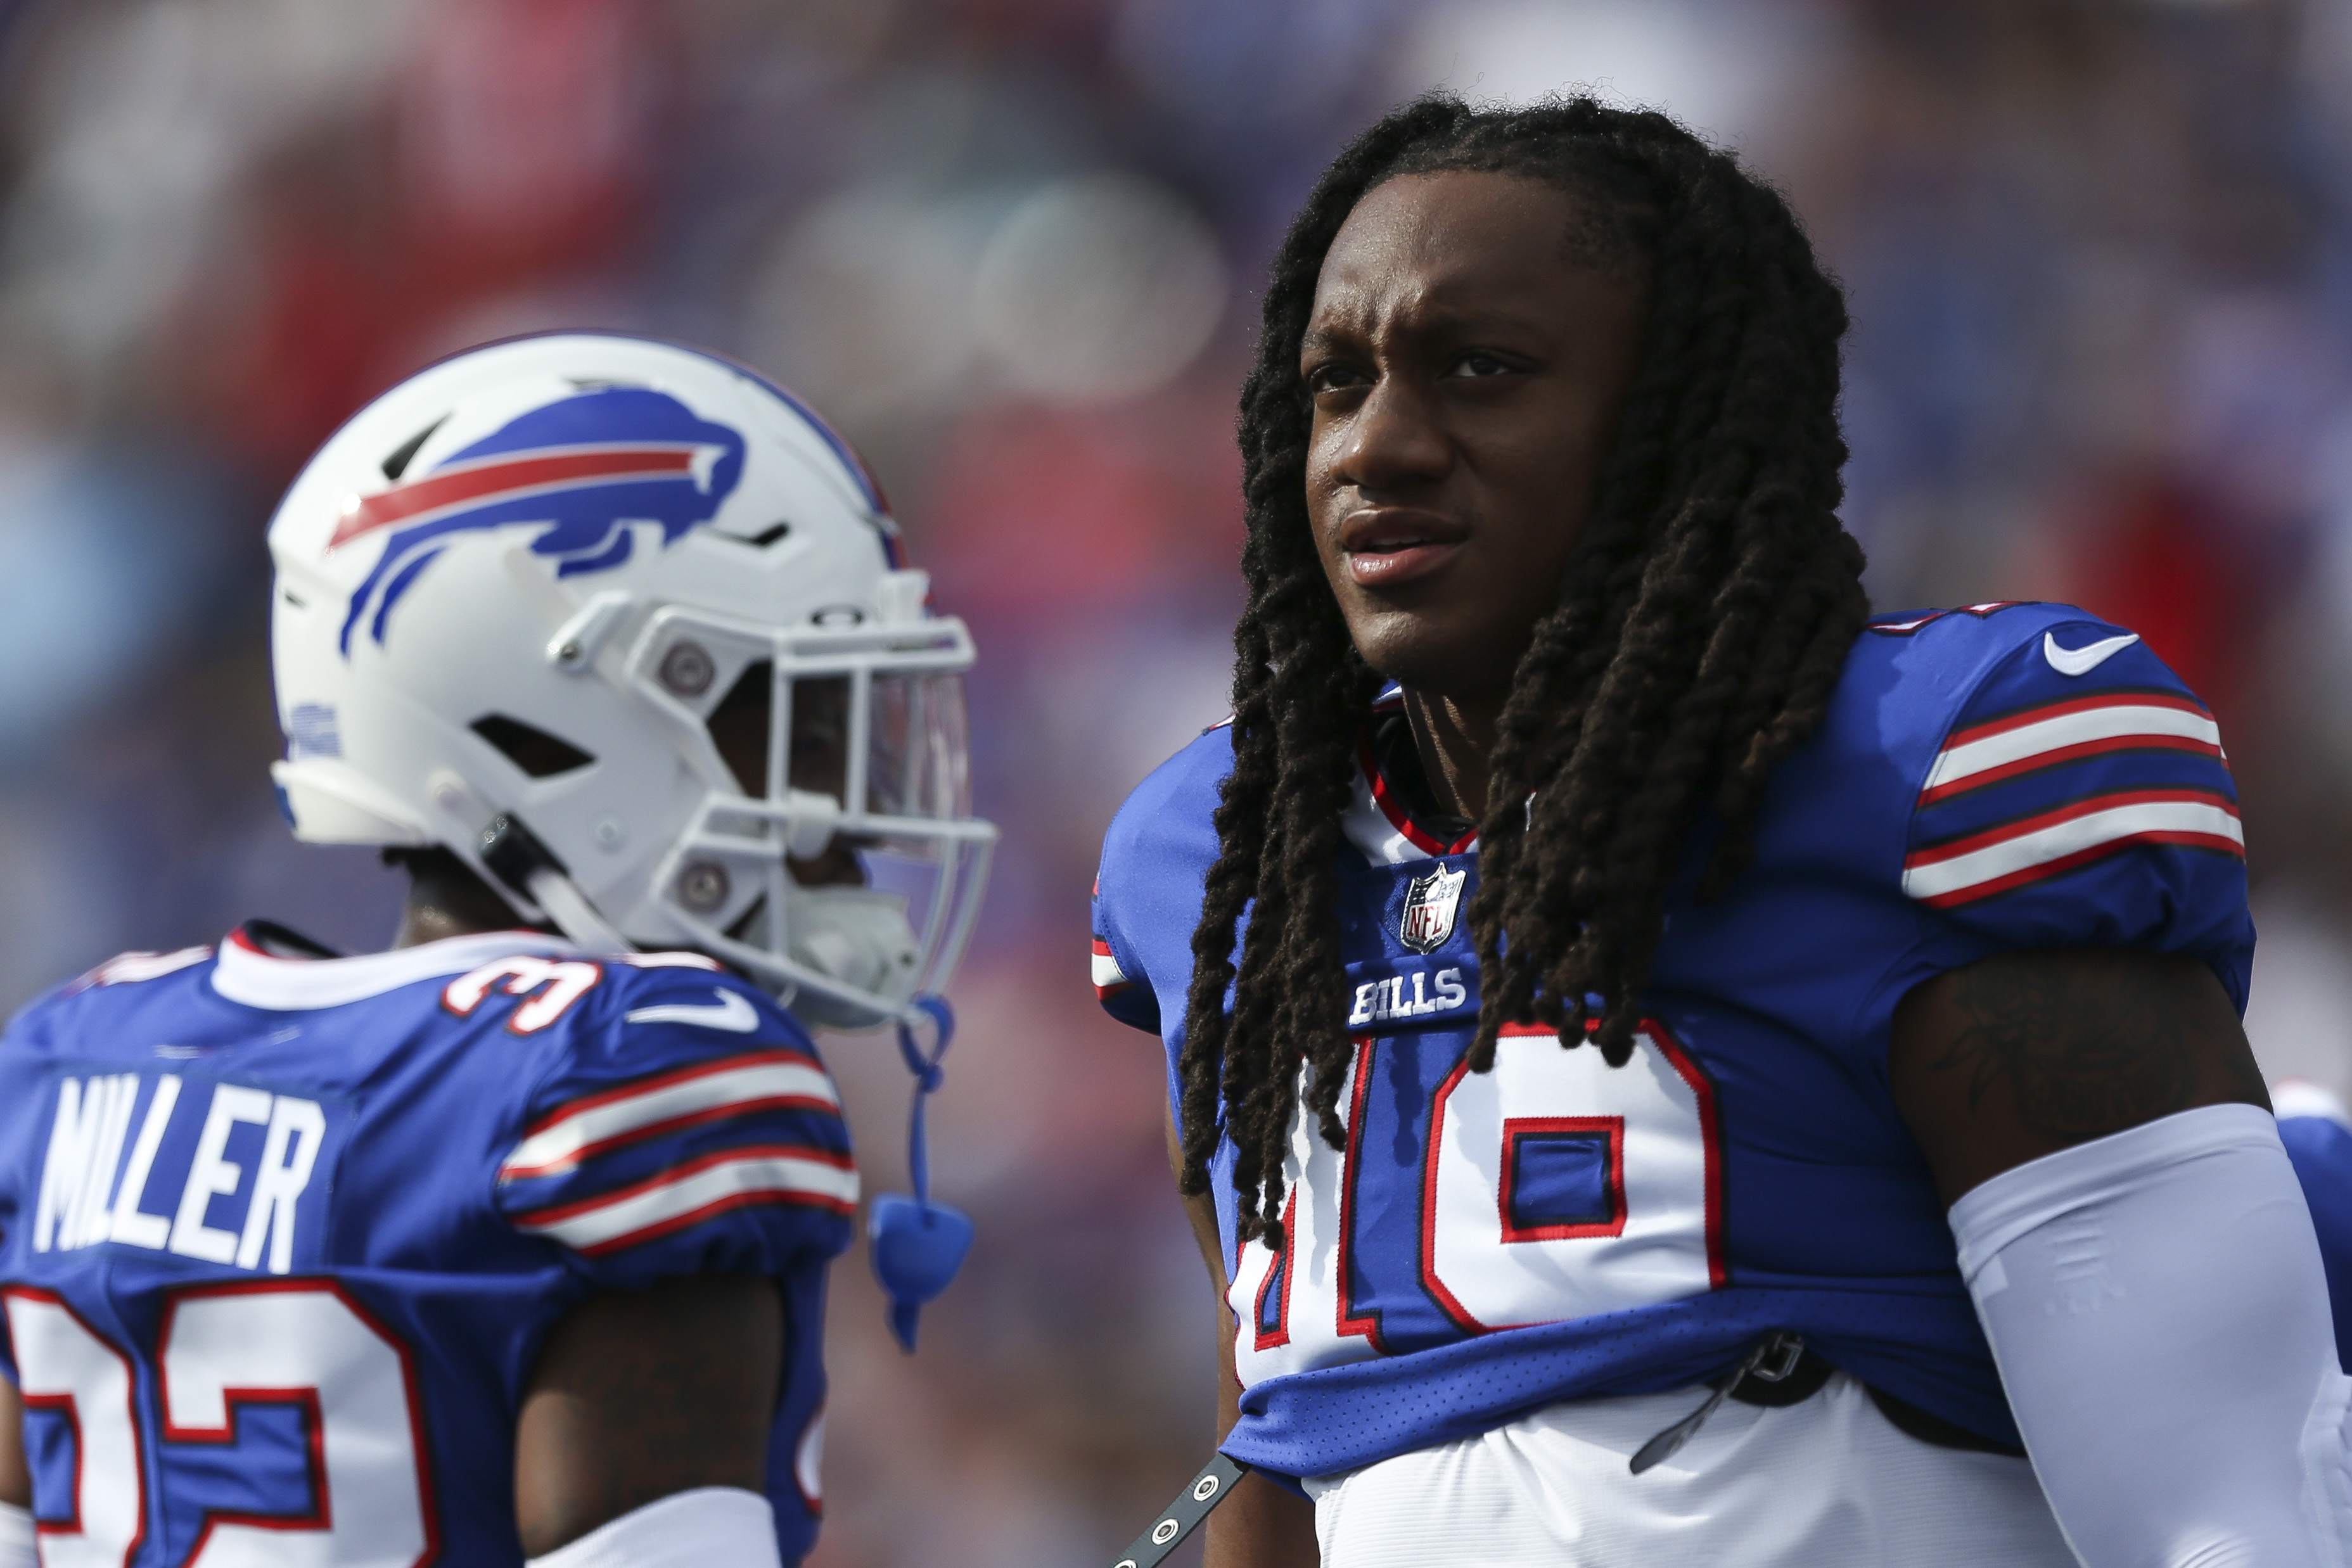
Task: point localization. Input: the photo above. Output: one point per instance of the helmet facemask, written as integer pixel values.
(834, 855)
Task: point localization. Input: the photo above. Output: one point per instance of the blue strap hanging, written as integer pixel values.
(916, 1245)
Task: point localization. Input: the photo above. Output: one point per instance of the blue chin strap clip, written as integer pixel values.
(916, 1245)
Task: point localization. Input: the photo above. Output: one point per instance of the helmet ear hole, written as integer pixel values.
(529, 747)
(739, 726)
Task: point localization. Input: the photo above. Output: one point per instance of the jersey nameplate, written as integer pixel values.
(223, 1173)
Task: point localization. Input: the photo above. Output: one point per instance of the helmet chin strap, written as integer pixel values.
(575, 917)
(515, 857)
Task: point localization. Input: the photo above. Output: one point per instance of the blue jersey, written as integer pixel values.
(1998, 778)
(281, 1239)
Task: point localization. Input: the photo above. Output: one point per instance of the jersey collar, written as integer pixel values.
(1377, 822)
(245, 974)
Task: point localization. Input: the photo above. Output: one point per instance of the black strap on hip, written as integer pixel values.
(1781, 1370)
(1181, 1517)
(1775, 1359)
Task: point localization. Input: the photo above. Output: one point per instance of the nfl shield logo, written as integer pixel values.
(1429, 904)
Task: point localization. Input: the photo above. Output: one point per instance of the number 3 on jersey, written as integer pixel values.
(299, 1343)
(1553, 1186)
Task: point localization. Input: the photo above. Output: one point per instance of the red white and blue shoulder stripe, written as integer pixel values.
(722, 1136)
(1130, 1003)
(1108, 978)
(2076, 747)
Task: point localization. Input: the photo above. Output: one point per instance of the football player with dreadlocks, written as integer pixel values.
(1666, 1066)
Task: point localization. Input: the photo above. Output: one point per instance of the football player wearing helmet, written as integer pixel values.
(508, 1242)
(1666, 1066)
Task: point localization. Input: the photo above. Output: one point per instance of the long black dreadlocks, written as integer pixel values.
(1701, 626)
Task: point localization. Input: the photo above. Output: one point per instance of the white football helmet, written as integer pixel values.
(517, 594)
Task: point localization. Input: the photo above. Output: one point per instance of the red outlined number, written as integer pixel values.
(1524, 1137)
(559, 982)
(1275, 1331)
(1656, 1234)
(307, 1344)
(1346, 1319)
(302, 1342)
(64, 1365)
(1554, 1186)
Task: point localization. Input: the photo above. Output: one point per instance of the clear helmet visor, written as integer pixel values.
(916, 758)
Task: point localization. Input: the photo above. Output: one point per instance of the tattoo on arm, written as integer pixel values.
(2086, 1049)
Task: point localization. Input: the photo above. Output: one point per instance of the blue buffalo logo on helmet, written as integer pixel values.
(585, 467)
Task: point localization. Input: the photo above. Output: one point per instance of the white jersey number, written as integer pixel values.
(1558, 1187)
(302, 1343)
(63, 1365)
(1554, 1186)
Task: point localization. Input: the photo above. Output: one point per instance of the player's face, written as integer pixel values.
(1465, 362)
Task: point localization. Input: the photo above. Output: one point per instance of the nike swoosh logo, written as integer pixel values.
(734, 1013)
(2083, 661)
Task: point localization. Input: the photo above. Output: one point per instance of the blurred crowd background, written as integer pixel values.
(2100, 255)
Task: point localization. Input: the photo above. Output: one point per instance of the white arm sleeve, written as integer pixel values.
(709, 1527)
(16, 1549)
(2157, 1307)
